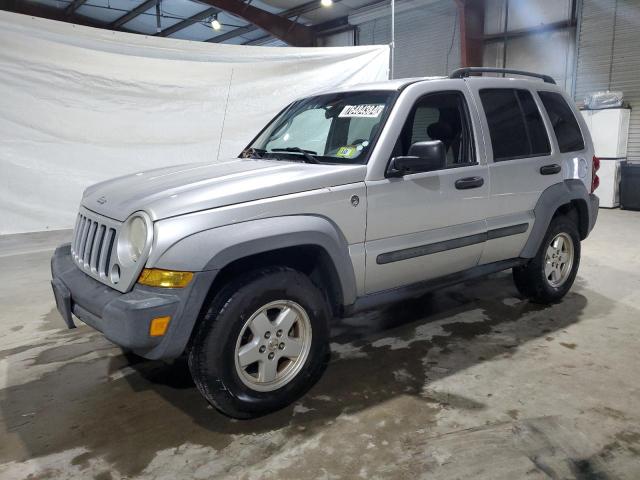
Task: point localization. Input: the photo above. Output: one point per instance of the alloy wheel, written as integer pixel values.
(273, 345)
(558, 260)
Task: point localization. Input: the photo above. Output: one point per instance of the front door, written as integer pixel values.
(426, 225)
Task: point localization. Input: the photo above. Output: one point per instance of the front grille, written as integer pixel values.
(94, 241)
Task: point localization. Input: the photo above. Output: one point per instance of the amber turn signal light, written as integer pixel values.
(154, 277)
(159, 326)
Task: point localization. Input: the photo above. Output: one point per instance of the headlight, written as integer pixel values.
(135, 238)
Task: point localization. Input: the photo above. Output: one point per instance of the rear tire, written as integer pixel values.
(262, 343)
(551, 273)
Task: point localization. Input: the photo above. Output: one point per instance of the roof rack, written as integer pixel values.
(467, 71)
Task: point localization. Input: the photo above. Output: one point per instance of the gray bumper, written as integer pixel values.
(124, 318)
(594, 204)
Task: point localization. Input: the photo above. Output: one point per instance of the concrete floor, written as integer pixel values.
(470, 382)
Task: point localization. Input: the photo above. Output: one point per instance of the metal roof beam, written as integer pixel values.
(236, 32)
(45, 11)
(336, 25)
(279, 26)
(292, 12)
(72, 7)
(187, 22)
(127, 17)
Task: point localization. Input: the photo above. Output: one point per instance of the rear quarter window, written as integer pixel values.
(563, 120)
(515, 125)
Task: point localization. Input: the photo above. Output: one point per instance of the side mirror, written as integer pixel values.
(422, 157)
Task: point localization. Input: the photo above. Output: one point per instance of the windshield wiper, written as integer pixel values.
(308, 154)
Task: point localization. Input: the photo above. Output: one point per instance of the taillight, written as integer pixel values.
(595, 180)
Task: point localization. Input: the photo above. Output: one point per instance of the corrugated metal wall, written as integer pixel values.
(609, 56)
(427, 39)
(550, 52)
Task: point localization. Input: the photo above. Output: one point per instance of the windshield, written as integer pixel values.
(333, 128)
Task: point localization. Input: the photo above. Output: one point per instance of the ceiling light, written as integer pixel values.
(215, 24)
(326, 3)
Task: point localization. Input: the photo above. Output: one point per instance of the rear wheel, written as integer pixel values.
(262, 344)
(549, 275)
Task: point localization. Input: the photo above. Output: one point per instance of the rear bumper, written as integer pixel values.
(124, 318)
(594, 205)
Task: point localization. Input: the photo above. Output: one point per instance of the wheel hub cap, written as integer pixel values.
(558, 260)
(273, 345)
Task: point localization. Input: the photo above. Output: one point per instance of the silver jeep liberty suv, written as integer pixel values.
(346, 200)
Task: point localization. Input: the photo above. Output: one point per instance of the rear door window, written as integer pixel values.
(535, 126)
(564, 122)
(515, 125)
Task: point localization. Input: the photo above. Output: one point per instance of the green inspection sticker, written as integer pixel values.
(348, 151)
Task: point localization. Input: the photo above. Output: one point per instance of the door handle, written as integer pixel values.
(550, 169)
(469, 182)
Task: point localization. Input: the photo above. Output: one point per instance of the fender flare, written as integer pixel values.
(550, 200)
(215, 248)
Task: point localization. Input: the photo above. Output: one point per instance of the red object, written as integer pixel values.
(595, 180)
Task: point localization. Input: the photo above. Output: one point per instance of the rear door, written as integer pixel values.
(522, 162)
(571, 139)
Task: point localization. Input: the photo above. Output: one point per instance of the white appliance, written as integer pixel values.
(609, 190)
(609, 130)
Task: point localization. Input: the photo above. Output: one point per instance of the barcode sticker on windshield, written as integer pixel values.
(363, 111)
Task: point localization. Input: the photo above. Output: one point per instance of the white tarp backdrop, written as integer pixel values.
(79, 105)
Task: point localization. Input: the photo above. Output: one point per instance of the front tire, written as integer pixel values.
(262, 344)
(551, 273)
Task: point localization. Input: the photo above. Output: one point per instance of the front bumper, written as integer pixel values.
(124, 318)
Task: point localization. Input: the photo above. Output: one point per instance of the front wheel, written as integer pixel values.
(262, 344)
(549, 275)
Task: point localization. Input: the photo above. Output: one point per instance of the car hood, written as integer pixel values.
(171, 191)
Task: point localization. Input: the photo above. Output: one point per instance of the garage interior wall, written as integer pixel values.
(427, 36)
(609, 56)
(515, 39)
(586, 45)
(346, 38)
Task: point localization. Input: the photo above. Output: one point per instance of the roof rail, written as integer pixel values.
(467, 71)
